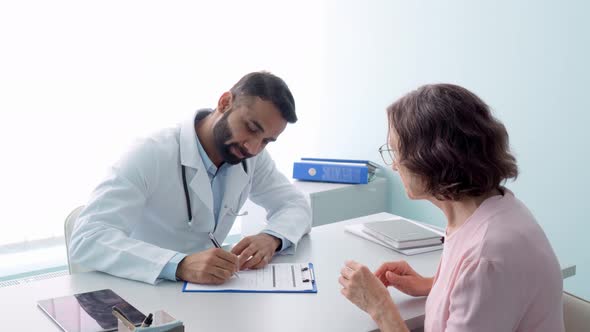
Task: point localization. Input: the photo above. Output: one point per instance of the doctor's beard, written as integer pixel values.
(221, 134)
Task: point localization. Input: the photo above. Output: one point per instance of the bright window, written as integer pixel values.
(80, 80)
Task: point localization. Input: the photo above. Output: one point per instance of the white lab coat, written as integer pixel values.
(136, 219)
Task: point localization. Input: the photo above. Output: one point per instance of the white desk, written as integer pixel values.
(326, 200)
(327, 246)
(364, 199)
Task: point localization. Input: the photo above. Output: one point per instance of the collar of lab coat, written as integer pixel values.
(237, 178)
(189, 151)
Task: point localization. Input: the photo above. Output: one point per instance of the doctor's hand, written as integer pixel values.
(212, 266)
(401, 276)
(361, 287)
(256, 251)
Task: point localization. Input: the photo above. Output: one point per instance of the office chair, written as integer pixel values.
(576, 313)
(68, 228)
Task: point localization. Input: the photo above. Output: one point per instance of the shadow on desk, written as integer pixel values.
(417, 322)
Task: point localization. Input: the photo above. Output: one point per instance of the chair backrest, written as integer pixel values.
(68, 228)
(576, 313)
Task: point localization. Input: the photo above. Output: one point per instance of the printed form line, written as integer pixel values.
(293, 275)
(274, 278)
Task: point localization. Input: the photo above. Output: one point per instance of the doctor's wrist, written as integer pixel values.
(277, 241)
(179, 270)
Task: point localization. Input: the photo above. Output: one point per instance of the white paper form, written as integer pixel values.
(282, 277)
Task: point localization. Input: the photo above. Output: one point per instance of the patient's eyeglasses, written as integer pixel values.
(387, 154)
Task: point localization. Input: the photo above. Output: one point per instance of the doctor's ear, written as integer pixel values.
(225, 102)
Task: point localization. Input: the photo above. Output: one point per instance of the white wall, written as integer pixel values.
(527, 59)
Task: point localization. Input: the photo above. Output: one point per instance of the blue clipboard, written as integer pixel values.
(306, 273)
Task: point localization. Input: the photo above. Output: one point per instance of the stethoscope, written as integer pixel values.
(188, 198)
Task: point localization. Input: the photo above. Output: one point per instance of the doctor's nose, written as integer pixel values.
(253, 147)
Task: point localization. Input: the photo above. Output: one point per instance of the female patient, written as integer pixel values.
(497, 271)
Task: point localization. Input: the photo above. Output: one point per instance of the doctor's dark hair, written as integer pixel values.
(270, 88)
(449, 137)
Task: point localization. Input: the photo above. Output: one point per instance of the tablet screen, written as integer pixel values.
(89, 312)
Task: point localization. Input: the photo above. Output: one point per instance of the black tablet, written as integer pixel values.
(89, 312)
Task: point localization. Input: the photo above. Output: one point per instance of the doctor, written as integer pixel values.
(150, 218)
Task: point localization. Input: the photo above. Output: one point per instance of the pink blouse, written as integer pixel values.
(497, 272)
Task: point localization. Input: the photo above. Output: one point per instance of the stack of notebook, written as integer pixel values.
(402, 235)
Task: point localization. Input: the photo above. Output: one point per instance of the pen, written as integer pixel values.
(147, 321)
(216, 244)
(123, 318)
